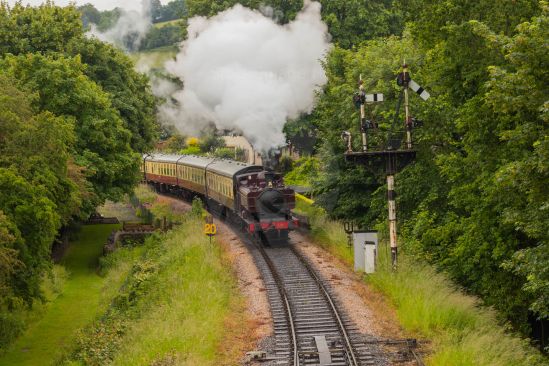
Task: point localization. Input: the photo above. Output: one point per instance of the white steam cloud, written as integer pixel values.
(243, 72)
(130, 28)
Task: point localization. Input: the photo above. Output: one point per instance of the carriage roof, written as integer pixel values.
(225, 167)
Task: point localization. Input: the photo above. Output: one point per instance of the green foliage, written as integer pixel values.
(104, 20)
(475, 201)
(302, 133)
(175, 9)
(37, 195)
(129, 91)
(191, 150)
(464, 334)
(35, 218)
(231, 153)
(428, 303)
(22, 28)
(102, 143)
(90, 15)
(22, 31)
(163, 36)
(11, 326)
(349, 22)
(352, 22)
(160, 310)
(145, 194)
(73, 113)
(174, 143)
(340, 184)
(98, 344)
(197, 208)
(304, 172)
(430, 20)
(210, 143)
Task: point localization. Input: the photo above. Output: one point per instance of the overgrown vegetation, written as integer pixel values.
(178, 283)
(431, 306)
(304, 172)
(74, 295)
(475, 202)
(74, 117)
(169, 24)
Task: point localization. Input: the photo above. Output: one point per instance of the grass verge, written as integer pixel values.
(179, 305)
(430, 305)
(76, 297)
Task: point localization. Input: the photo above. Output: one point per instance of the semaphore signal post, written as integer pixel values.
(391, 158)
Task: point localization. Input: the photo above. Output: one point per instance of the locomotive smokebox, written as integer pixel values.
(271, 203)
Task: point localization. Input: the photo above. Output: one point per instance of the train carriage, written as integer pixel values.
(253, 196)
(221, 178)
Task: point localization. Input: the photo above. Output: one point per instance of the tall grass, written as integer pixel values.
(430, 305)
(326, 233)
(145, 194)
(173, 307)
(187, 304)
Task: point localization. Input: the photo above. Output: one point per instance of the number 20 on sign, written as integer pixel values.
(210, 229)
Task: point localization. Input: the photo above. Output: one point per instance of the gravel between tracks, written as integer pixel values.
(249, 281)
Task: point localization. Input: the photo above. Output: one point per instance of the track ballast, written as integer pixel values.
(309, 329)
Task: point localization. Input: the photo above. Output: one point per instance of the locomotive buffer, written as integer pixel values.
(392, 158)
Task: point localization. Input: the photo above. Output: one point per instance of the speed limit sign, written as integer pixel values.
(209, 227)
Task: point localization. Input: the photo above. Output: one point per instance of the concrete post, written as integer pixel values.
(392, 219)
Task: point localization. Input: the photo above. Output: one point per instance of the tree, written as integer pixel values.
(430, 20)
(155, 8)
(34, 216)
(173, 10)
(9, 263)
(90, 15)
(102, 143)
(38, 192)
(110, 68)
(352, 22)
(167, 35)
(22, 27)
(129, 91)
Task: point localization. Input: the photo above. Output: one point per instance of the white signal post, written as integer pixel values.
(407, 83)
(393, 157)
(362, 99)
(363, 116)
(391, 203)
(407, 108)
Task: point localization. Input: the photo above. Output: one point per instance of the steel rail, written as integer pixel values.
(284, 296)
(351, 357)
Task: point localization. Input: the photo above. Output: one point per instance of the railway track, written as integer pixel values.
(309, 327)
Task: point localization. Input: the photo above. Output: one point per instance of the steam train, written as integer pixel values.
(248, 195)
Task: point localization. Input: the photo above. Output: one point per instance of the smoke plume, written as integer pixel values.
(243, 72)
(129, 30)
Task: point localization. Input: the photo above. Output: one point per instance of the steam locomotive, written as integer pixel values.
(248, 195)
